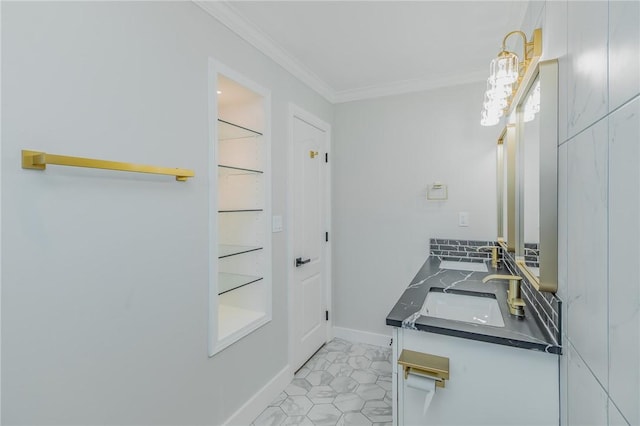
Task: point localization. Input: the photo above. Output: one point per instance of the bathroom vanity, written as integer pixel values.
(463, 351)
(501, 374)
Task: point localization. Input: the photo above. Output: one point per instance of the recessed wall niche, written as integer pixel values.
(240, 283)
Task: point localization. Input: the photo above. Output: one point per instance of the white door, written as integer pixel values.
(309, 227)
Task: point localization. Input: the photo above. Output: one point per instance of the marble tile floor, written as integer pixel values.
(343, 384)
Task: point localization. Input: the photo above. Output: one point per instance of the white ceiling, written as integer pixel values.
(348, 50)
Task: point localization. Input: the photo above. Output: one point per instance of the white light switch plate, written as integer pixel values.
(463, 219)
(276, 223)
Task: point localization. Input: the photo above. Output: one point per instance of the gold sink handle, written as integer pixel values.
(494, 254)
(514, 295)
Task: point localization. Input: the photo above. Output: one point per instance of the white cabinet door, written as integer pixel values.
(489, 384)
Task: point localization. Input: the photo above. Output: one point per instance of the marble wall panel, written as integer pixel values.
(624, 52)
(587, 401)
(587, 247)
(624, 252)
(587, 64)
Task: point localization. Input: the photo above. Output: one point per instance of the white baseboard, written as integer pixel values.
(362, 336)
(246, 414)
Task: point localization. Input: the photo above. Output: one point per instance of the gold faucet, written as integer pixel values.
(514, 296)
(494, 254)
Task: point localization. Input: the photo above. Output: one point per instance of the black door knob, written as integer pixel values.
(300, 262)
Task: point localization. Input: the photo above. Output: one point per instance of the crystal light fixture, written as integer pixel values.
(504, 69)
(489, 118)
(498, 91)
(495, 101)
(505, 74)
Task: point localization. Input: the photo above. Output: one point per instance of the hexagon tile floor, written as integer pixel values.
(343, 384)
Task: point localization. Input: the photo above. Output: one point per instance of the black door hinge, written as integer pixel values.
(326, 157)
(326, 315)
(326, 236)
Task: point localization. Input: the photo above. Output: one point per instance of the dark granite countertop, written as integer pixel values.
(526, 333)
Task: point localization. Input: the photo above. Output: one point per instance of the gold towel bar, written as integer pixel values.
(433, 366)
(39, 160)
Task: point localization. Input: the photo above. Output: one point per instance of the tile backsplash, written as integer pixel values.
(461, 250)
(532, 254)
(545, 306)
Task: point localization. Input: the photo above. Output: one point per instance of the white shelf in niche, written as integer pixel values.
(239, 148)
(240, 211)
(227, 250)
(234, 318)
(225, 170)
(229, 131)
(228, 282)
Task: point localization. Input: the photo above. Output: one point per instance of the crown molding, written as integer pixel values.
(407, 86)
(224, 12)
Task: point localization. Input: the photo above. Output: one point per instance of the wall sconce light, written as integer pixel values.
(505, 74)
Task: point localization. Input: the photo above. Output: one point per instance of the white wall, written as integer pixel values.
(104, 297)
(385, 153)
(597, 44)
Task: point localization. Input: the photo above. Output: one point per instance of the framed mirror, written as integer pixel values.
(506, 188)
(529, 132)
(537, 176)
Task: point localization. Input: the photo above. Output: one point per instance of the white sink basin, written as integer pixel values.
(477, 309)
(463, 266)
